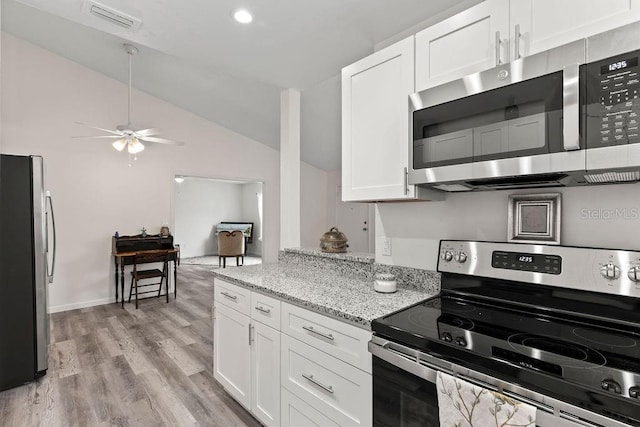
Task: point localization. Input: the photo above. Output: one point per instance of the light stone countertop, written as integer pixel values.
(349, 298)
(349, 256)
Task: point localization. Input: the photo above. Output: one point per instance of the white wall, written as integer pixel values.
(200, 204)
(95, 192)
(313, 205)
(589, 218)
(251, 197)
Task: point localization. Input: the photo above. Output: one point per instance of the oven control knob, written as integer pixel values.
(612, 386)
(634, 274)
(461, 257)
(461, 342)
(447, 337)
(447, 255)
(634, 392)
(610, 271)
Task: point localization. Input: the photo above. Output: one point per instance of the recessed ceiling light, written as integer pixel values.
(242, 16)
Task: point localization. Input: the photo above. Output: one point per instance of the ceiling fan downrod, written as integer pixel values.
(131, 50)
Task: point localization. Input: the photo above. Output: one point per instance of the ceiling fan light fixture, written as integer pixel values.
(120, 144)
(243, 16)
(135, 146)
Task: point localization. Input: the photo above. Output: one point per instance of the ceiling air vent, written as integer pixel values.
(612, 177)
(111, 15)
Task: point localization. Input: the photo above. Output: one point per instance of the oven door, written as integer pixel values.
(521, 118)
(404, 391)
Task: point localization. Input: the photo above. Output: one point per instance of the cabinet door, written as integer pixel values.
(375, 124)
(545, 24)
(265, 356)
(231, 353)
(471, 41)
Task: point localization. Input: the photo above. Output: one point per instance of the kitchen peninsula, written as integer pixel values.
(290, 338)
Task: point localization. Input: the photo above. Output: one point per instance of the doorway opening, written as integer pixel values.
(203, 207)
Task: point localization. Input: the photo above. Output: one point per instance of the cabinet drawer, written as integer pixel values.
(335, 388)
(298, 413)
(346, 342)
(265, 310)
(233, 296)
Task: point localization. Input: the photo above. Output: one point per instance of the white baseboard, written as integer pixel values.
(83, 304)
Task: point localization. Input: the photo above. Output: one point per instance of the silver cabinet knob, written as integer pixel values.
(634, 274)
(610, 271)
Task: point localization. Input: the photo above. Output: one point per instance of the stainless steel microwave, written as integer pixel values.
(564, 117)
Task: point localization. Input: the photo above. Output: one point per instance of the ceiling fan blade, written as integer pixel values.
(147, 132)
(102, 129)
(161, 140)
(98, 136)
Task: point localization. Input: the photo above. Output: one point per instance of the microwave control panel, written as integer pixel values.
(613, 101)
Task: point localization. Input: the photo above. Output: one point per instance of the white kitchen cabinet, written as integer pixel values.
(339, 339)
(471, 41)
(232, 352)
(544, 24)
(265, 374)
(500, 31)
(246, 349)
(375, 126)
(338, 390)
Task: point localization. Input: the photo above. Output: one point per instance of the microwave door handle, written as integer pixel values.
(571, 107)
(53, 230)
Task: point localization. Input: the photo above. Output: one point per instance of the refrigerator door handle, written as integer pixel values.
(53, 231)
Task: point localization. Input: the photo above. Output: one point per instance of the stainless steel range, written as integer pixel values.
(555, 327)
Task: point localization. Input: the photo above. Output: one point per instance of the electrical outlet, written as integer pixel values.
(386, 246)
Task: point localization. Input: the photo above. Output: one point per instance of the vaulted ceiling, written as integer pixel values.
(194, 55)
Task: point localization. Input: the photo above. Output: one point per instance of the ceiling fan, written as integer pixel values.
(126, 135)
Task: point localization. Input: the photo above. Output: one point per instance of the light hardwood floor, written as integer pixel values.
(110, 366)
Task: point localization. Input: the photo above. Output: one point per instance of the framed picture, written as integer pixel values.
(535, 218)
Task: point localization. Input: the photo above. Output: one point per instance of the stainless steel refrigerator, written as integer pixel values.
(27, 257)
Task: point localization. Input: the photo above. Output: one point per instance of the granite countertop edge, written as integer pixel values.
(370, 305)
(321, 308)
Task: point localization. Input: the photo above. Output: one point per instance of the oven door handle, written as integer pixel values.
(403, 361)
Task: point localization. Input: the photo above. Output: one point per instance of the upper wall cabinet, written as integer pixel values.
(543, 24)
(498, 31)
(468, 42)
(375, 126)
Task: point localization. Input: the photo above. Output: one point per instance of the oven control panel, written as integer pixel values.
(539, 263)
(609, 271)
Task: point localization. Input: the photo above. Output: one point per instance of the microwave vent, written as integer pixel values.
(612, 177)
(111, 15)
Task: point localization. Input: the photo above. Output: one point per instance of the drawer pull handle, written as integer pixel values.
(228, 295)
(313, 331)
(318, 383)
(263, 310)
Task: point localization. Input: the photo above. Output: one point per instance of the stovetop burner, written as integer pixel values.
(529, 344)
(605, 339)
